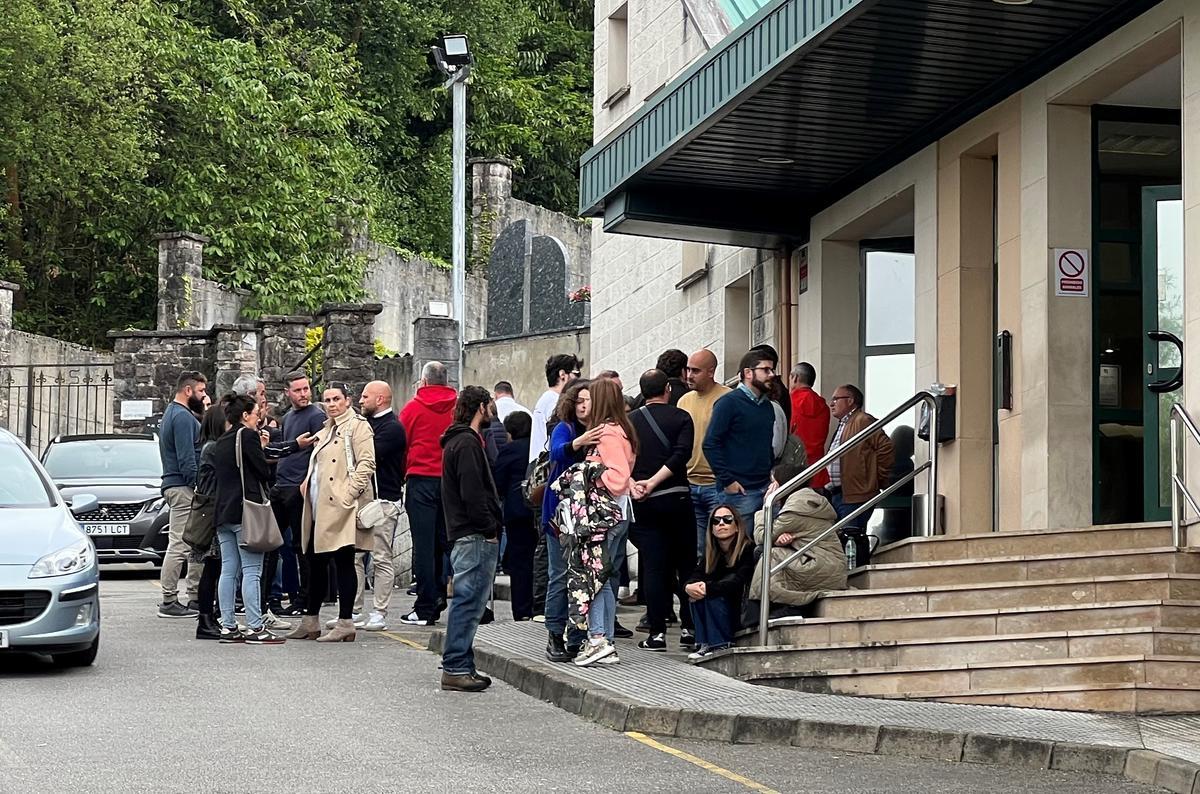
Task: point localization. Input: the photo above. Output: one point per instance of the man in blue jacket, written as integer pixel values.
(179, 448)
(738, 441)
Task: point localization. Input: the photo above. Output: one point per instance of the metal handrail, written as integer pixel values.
(1179, 416)
(926, 398)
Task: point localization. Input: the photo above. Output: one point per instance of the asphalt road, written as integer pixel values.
(162, 712)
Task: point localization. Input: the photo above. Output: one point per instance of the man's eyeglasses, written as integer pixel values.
(835, 399)
(718, 520)
(770, 370)
(575, 373)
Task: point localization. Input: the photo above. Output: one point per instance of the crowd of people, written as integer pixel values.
(554, 495)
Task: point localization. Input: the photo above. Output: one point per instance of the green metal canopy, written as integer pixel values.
(810, 99)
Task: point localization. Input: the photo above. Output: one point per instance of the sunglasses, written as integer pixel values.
(723, 520)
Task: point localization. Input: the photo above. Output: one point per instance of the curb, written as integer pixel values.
(543, 680)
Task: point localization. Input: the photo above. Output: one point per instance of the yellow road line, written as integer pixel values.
(404, 640)
(700, 762)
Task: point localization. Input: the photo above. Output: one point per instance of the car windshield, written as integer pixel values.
(20, 483)
(103, 458)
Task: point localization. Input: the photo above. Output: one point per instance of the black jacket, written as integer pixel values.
(469, 499)
(509, 470)
(229, 483)
(390, 447)
(728, 581)
(676, 425)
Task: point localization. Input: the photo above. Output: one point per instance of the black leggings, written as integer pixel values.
(318, 584)
(206, 590)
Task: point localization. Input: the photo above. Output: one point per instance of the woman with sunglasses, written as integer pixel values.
(718, 587)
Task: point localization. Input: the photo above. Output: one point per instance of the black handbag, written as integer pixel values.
(201, 526)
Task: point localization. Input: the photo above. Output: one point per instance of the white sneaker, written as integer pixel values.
(273, 621)
(356, 617)
(703, 652)
(612, 658)
(539, 618)
(413, 620)
(590, 653)
(376, 622)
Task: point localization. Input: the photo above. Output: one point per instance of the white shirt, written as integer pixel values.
(835, 468)
(542, 412)
(506, 405)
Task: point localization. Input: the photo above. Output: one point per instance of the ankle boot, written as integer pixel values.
(344, 631)
(309, 629)
(207, 627)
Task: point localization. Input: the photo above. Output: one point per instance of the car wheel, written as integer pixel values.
(79, 658)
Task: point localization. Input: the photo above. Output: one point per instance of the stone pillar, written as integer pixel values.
(436, 339)
(180, 265)
(281, 344)
(236, 355)
(7, 292)
(491, 188)
(349, 343)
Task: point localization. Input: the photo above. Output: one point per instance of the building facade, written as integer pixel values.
(990, 194)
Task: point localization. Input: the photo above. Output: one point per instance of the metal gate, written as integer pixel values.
(41, 401)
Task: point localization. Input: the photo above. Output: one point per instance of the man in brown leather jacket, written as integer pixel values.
(863, 471)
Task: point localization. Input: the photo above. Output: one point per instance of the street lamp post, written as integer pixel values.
(453, 58)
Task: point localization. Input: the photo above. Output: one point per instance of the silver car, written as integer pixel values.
(49, 580)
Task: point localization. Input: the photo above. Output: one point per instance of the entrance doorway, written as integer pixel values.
(1137, 308)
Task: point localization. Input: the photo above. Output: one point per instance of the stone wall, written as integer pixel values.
(349, 343)
(147, 364)
(436, 339)
(521, 360)
(397, 372)
(405, 287)
(216, 304)
(281, 347)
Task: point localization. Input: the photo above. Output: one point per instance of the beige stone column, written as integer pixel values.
(1056, 205)
(1191, 236)
(1008, 317)
(965, 275)
(840, 307)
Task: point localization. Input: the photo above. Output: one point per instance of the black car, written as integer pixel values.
(125, 473)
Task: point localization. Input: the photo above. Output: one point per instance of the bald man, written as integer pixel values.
(390, 447)
(705, 391)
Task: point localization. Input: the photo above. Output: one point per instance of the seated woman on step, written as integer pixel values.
(718, 587)
(803, 516)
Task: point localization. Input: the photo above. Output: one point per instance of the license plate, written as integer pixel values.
(106, 529)
(3, 639)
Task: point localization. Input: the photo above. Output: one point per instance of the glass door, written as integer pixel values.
(1162, 313)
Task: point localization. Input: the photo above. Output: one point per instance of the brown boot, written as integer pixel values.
(343, 631)
(464, 683)
(309, 629)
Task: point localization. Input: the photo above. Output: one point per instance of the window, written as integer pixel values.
(889, 327)
(618, 54)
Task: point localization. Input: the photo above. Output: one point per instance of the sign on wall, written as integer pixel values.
(1069, 269)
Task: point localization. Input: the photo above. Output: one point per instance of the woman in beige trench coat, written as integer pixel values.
(338, 483)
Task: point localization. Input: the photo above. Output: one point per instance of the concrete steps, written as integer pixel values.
(998, 595)
(1100, 619)
(1039, 541)
(764, 663)
(1177, 678)
(981, 622)
(1039, 567)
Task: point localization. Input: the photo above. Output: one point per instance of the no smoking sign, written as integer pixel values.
(1069, 269)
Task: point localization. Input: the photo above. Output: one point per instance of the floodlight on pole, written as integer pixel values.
(452, 57)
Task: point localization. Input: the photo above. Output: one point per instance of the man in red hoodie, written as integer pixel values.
(810, 417)
(425, 418)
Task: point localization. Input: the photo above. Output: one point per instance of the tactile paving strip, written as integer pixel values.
(657, 680)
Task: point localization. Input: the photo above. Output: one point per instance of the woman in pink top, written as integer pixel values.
(616, 449)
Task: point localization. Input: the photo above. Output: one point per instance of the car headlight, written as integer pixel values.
(73, 559)
(155, 506)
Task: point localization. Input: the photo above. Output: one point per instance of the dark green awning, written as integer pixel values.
(810, 99)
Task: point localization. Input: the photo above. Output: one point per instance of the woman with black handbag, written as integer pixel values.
(242, 472)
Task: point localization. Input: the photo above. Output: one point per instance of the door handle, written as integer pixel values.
(1175, 382)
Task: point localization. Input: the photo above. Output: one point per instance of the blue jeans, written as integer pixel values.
(602, 614)
(235, 559)
(618, 549)
(705, 499)
(714, 621)
(556, 592)
(745, 505)
(473, 560)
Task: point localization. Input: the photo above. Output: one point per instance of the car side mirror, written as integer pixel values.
(84, 503)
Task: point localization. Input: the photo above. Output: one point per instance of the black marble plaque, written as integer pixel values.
(506, 281)
(550, 306)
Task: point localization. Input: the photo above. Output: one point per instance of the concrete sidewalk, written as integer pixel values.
(659, 694)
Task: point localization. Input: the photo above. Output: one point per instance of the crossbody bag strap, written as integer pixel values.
(645, 411)
(241, 471)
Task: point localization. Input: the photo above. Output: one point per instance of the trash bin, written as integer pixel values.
(920, 507)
